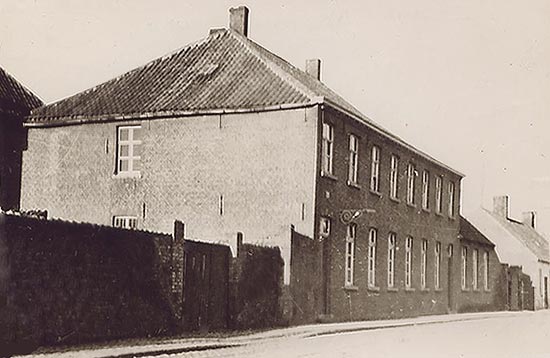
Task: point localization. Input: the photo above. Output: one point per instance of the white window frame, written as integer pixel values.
(371, 258)
(353, 158)
(375, 169)
(451, 199)
(394, 177)
(464, 269)
(475, 269)
(411, 183)
(439, 194)
(125, 222)
(423, 262)
(328, 148)
(131, 158)
(350, 254)
(486, 270)
(426, 190)
(408, 261)
(437, 265)
(391, 259)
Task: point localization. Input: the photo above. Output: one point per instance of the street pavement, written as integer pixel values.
(498, 334)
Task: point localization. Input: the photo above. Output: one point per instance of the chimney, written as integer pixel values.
(238, 20)
(313, 68)
(500, 206)
(529, 218)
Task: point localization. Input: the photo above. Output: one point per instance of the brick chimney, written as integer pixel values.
(238, 20)
(313, 68)
(529, 218)
(500, 206)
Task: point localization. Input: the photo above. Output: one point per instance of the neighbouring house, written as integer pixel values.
(16, 102)
(480, 279)
(517, 244)
(227, 136)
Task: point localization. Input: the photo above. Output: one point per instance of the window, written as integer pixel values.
(411, 177)
(451, 199)
(324, 227)
(353, 158)
(439, 194)
(391, 260)
(474, 269)
(408, 261)
(437, 264)
(328, 148)
(128, 150)
(350, 254)
(423, 262)
(203, 265)
(486, 270)
(426, 190)
(464, 264)
(375, 169)
(394, 177)
(371, 265)
(125, 222)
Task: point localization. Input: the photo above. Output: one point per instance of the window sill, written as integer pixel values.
(452, 218)
(374, 192)
(395, 200)
(438, 290)
(425, 289)
(350, 288)
(439, 214)
(487, 290)
(373, 288)
(476, 290)
(411, 205)
(354, 185)
(410, 289)
(392, 289)
(127, 176)
(426, 210)
(465, 290)
(328, 175)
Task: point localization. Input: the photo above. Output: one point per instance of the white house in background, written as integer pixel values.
(517, 243)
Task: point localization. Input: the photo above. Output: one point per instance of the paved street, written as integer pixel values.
(523, 335)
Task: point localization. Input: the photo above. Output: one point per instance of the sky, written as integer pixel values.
(466, 81)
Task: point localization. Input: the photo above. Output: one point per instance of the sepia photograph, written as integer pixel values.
(185, 178)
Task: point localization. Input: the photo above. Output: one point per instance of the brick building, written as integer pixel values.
(519, 245)
(229, 137)
(15, 103)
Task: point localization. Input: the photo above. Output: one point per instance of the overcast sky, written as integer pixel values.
(466, 81)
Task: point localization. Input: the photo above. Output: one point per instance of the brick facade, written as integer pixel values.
(334, 194)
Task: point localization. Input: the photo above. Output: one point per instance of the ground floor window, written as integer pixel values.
(408, 261)
(391, 260)
(423, 262)
(125, 222)
(350, 254)
(371, 267)
(437, 265)
(464, 267)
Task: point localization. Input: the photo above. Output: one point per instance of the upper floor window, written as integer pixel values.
(408, 261)
(371, 258)
(350, 254)
(353, 158)
(439, 194)
(391, 260)
(426, 190)
(394, 177)
(411, 179)
(375, 169)
(328, 148)
(128, 150)
(125, 222)
(451, 199)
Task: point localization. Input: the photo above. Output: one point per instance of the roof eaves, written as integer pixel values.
(381, 130)
(81, 119)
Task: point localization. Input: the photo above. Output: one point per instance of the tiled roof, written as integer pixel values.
(471, 233)
(224, 72)
(534, 241)
(14, 98)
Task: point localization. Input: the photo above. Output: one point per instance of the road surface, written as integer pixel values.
(524, 335)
